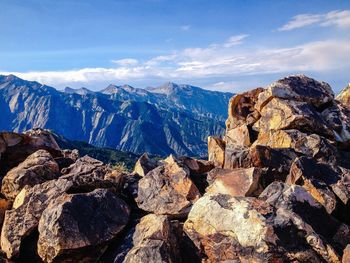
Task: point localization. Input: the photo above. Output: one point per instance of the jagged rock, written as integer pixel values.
(337, 118)
(322, 232)
(237, 182)
(78, 226)
(280, 114)
(68, 158)
(346, 255)
(154, 241)
(167, 190)
(287, 224)
(15, 147)
(31, 202)
(241, 109)
(344, 96)
(310, 145)
(144, 164)
(238, 136)
(4, 205)
(36, 169)
(298, 88)
(216, 151)
(83, 165)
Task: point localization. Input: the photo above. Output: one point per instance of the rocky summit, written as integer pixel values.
(275, 188)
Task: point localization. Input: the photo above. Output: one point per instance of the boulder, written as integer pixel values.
(284, 225)
(167, 190)
(216, 151)
(154, 241)
(346, 255)
(344, 96)
(297, 88)
(36, 169)
(236, 182)
(241, 109)
(280, 114)
(238, 136)
(68, 158)
(16, 147)
(144, 164)
(77, 226)
(310, 145)
(31, 202)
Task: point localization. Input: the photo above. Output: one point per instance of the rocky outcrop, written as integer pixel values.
(144, 164)
(77, 226)
(167, 190)
(344, 96)
(37, 168)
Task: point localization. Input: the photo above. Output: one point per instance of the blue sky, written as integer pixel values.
(228, 45)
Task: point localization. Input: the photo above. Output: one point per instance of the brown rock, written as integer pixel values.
(344, 96)
(36, 169)
(216, 151)
(154, 241)
(238, 136)
(297, 88)
(241, 109)
(237, 182)
(346, 255)
(167, 190)
(144, 164)
(279, 114)
(77, 226)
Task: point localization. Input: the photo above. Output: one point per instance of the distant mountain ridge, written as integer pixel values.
(171, 119)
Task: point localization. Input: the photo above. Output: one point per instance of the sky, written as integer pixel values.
(226, 45)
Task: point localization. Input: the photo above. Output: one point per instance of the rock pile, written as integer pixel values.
(276, 188)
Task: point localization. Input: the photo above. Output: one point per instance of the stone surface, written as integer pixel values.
(238, 136)
(144, 164)
(346, 255)
(344, 96)
(37, 168)
(216, 151)
(78, 226)
(167, 190)
(154, 241)
(241, 109)
(297, 88)
(236, 182)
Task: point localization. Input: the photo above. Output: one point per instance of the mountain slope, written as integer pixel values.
(119, 117)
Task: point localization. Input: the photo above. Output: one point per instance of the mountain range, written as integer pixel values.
(170, 119)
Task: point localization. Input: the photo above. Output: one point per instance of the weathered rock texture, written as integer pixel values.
(276, 188)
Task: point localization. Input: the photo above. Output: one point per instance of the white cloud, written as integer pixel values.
(185, 27)
(217, 62)
(235, 40)
(337, 18)
(126, 62)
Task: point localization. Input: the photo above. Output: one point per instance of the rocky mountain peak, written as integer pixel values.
(344, 96)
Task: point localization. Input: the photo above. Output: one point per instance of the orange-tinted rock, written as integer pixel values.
(237, 182)
(144, 164)
(346, 255)
(241, 109)
(238, 136)
(344, 96)
(216, 151)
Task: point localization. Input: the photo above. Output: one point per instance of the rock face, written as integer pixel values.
(276, 188)
(37, 168)
(167, 190)
(344, 96)
(71, 224)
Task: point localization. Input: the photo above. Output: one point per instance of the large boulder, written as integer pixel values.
(286, 224)
(16, 147)
(36, 169)
(167, 190)
(216, 151)
(236, 182)
(154, 241)
(31, 202)
(298, 88)
(78, 226)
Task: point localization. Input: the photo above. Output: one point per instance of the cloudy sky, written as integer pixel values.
(229, 45)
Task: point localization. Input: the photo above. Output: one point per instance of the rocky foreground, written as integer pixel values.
(276, 188)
